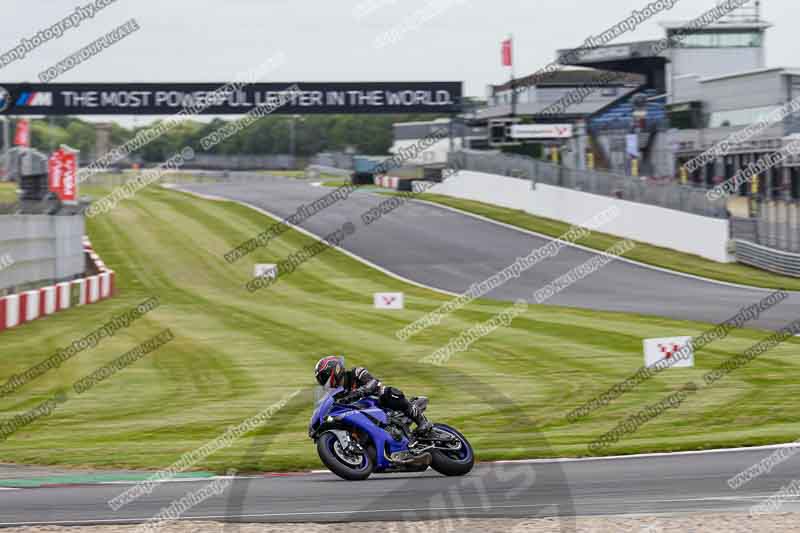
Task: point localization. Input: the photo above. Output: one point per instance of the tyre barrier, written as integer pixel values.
(387, 182)
(18, 309)
(395, 183)
(361, 178)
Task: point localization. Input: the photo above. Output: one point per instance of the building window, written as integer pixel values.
(741, 117)
(722, 39)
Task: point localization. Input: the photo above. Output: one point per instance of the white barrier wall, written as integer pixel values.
(42, 248)
(17, 309)
(668, 228)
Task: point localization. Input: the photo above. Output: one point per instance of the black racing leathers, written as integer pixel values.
(358, 382)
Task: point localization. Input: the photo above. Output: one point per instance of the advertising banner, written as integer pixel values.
(22, 137)
(222, 98)
(54, 171)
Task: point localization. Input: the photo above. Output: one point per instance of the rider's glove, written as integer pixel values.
(349, 398)
(371, 387)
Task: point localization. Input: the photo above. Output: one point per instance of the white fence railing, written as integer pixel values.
(668, 195)
(765, 258)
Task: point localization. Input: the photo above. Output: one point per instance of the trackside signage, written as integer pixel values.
(54, 171)
(69, 177)
(541, 131)
(169, 98)
(269, 270)
(670, 352)
(62, 168)
(388, 300)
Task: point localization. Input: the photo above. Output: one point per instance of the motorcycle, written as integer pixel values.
(356, 439)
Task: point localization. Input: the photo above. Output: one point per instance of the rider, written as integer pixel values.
(358, 382)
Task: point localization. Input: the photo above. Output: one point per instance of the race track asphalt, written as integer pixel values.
(450, 251)
(634, 485)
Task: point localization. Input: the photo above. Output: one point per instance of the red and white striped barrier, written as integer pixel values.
(105, 284)
(94, 289)
(78, 292)
(62, 298)
(30, 306)
(98, 263)
(18, 309)
(388, 182)
(10, 305)
(48, 297)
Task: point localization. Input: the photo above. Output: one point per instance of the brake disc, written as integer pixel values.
(347, 457)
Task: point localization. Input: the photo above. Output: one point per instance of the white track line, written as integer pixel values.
(766, 447)
(166, 481)
(592, 250)
(272, 515)
(317, 237)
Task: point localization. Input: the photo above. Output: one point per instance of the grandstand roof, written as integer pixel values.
(745, 73)
(571, 76)
(592, 56)
(583, 109)
(716, 26)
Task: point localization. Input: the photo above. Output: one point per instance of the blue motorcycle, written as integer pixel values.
(359, 438)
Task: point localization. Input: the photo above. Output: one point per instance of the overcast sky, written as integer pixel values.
(324, 40)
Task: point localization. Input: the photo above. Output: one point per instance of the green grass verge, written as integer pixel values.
(284, 173)
(8, 192)
(645, 253)
(341, 183)
(298, 174)
(335, 184)
(237, 353)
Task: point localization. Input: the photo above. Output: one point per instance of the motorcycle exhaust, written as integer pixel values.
(405, 458)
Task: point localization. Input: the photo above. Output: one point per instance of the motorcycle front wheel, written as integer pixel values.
(345, 464)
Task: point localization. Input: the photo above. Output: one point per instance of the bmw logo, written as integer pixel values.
(5, 99)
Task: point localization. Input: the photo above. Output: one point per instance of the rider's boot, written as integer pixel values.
(423, 425)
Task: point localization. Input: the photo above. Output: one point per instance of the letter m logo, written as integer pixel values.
(44, 99)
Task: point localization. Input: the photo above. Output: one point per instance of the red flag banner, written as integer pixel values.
(55, 171)
(22, 136)
(69, 177)
(507, 53)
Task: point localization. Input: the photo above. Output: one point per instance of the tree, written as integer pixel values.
(368, 134)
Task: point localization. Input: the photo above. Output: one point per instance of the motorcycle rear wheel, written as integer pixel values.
(457, 462)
